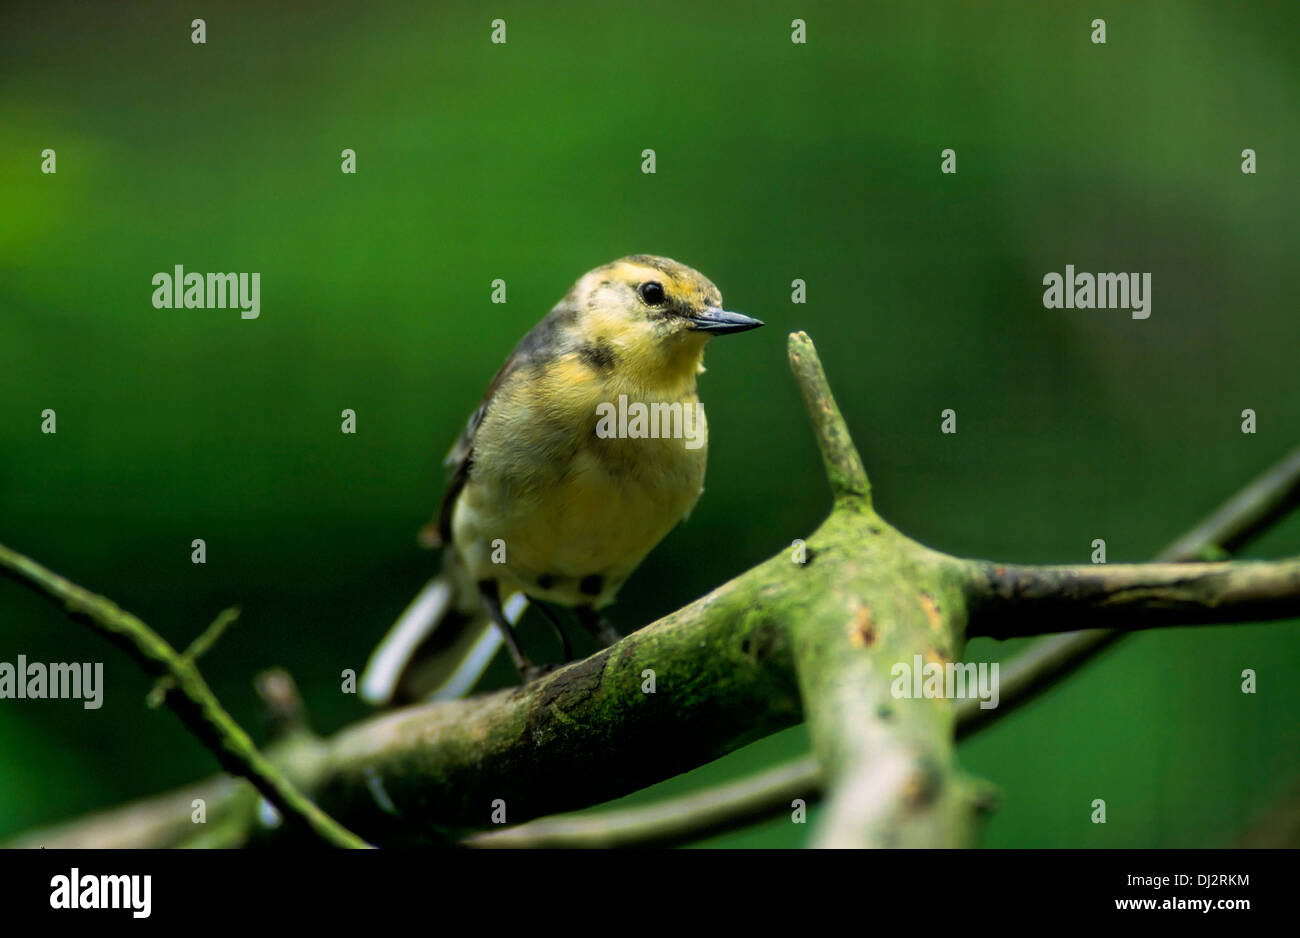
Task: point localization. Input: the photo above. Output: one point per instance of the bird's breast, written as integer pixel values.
(576, 477)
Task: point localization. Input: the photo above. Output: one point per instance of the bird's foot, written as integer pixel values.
(596, 625)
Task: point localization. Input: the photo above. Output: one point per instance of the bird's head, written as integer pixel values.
(653, 314)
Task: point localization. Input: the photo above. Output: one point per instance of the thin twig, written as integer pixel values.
(844, 469)
(194, 703)
(285, 712)
(665, 823)
(1244, 516)
(198, 648)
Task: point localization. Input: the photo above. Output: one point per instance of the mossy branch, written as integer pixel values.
(185, 691)
(1048, 661)
(785, 641)
(844, 469)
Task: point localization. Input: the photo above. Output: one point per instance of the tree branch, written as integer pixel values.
(669, 822)
(1244, 516)
(784, 640)
(844, 467)
(196, 650)
(192, 699)
(1015, 601)
(1254, 509)
(1232, 526)
(890, 767)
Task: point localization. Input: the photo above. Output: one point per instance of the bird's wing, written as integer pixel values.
(460, 457)
(546, 339)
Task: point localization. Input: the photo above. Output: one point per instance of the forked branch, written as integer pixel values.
(784, 641)
(184, 690)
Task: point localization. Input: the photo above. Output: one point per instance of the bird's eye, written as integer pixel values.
(652, 292)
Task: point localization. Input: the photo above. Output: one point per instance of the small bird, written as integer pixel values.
(550, 499)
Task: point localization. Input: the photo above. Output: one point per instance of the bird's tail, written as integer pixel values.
(438, 647)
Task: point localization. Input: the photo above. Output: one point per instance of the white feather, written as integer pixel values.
(480, 656)
(379, 680)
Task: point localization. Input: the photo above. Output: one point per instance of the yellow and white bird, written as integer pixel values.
(551, 499)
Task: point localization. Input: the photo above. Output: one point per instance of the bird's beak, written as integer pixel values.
(718, 322)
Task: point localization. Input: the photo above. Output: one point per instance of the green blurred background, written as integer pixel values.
(775, 161)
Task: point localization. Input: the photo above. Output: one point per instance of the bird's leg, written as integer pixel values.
(595, 623)
(487, 589)
(555, 621)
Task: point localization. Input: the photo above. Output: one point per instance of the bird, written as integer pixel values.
(551, 500)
